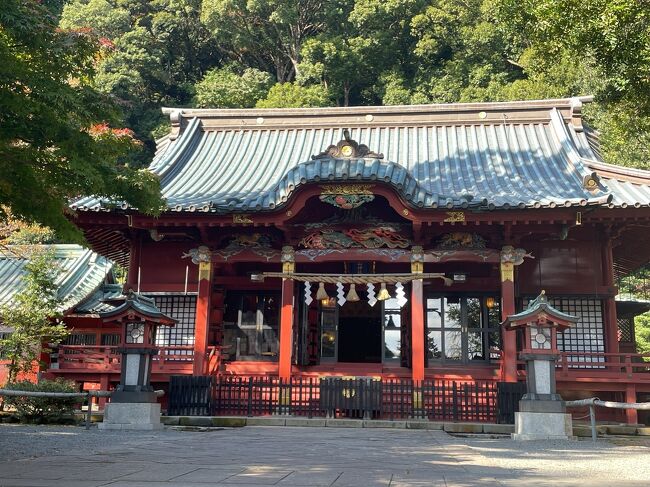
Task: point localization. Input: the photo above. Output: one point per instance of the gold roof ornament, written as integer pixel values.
(347, 149)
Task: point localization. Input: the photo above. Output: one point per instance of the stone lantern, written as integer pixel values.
(133, 403)
(542, 413)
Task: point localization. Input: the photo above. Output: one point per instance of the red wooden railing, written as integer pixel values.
(106, 358)
(622, 367)
(96, 358)
(628, 367)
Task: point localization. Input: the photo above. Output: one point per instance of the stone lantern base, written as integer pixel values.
(143, 416)
(542, 420)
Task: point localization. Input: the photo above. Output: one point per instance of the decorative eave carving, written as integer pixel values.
(348, 149)
(511, 257)
(460, 240)
(199, 255)
(348, 196)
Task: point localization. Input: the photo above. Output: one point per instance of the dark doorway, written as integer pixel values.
(360, 337)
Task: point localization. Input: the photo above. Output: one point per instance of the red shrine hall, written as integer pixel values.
(387, 243)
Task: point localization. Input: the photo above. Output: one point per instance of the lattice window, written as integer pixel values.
(587, 336)
(183, 309)
(110, 339)
(625, 330)
(88, 339)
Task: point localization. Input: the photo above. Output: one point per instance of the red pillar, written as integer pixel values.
(286, 330)
(631, 415)
(611, 324)
(509, 346)
(134, 263)
(104, 384)
(417, 330)
(202, 320)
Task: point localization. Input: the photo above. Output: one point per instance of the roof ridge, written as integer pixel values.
(575, 101)
(621, 172)
(455, 114)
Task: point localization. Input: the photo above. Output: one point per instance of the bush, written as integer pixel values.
(43, 409)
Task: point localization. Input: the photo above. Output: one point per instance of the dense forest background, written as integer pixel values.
(306, 53)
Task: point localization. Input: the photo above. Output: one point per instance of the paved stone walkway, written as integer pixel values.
(310, 457)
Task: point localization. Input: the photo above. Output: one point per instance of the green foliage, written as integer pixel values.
(50, 147)
(355, 52)
(33, 316)
(16, 232)
(268, 34)
(227, 88)
(42, 409)
(292, 95)
(111, 20)
(642, 333)
(154, 53)
(31, 235)
(610, 40)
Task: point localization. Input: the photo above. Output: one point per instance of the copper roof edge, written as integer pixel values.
(634, 175)
(484, 112)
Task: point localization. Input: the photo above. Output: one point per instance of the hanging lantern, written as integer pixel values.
(352, 294)
(321, 294)
(383, 293)
(372, 300)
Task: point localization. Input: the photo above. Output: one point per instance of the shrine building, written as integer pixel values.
(383, 242)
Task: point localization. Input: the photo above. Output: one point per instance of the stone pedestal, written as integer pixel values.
(542, 426)
(143, 416)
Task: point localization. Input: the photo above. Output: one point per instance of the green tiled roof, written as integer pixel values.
(81, 273)
(532, 154)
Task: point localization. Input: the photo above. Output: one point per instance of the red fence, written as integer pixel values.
(334, 397)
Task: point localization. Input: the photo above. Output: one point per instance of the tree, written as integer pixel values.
(56, 142)
(227, 88)
(610, 39)
(32, 316)
(330, 60)
(292, 95)
(269, 34)
(110, 20)
(151, 60)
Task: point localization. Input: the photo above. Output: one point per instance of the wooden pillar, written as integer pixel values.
(286, 330)
(134, 263)
(286, 314)
(418, 348)
(417, 330)
(202, 320)
(611, 323)
(509, 345)
(631, 415)
(104, 384)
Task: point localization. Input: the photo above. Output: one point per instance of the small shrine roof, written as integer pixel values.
(80, 272)
(537, 306)
(529, 154)
(138, 304)
(102, 300)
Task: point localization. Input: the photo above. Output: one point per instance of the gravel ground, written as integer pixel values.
(20, 441)
(351, 457)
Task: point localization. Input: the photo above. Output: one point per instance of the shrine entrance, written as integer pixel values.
(360, 333)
